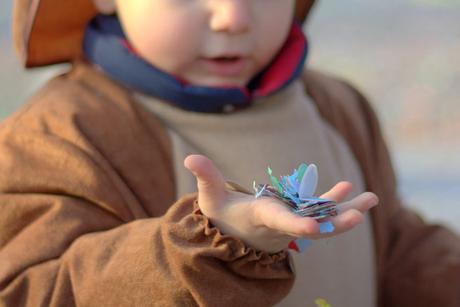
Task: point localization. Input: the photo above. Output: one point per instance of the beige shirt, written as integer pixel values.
(282, 131)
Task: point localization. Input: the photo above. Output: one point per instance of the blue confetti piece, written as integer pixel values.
(302, 244)
(326, 227)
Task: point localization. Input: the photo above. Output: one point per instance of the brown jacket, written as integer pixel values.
(88, 216)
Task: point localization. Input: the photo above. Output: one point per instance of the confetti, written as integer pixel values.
(326, 227)
(321, 302)
(299, 245)
(297, 191)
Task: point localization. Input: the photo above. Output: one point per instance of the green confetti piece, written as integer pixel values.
(321, 302)
(275, 182)
(301, 171)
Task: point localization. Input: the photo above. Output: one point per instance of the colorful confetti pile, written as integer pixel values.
(297, 190)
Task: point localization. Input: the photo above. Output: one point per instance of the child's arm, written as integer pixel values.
(73, 233)
(76, 229)
(266, 223)
(85, 187)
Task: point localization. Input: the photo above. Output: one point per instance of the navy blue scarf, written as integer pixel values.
(105, 45)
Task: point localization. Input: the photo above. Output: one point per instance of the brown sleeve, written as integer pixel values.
(417, 264)
(79, 226)
(65, 252)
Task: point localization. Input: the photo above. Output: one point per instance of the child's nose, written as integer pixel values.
(233, 16)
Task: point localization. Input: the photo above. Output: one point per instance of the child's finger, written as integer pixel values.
(351, 213)
(276, 216)
(339, 191)
(362, 203)
(210, 182)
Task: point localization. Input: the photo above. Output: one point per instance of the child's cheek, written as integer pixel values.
(155, 36)
(171, 49)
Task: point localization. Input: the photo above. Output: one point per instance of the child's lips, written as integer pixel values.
(225, 66)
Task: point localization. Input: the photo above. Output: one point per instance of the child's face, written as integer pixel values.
(207, 42)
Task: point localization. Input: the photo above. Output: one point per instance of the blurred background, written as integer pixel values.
(403, 54)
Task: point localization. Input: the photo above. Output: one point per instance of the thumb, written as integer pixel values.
(210, 182)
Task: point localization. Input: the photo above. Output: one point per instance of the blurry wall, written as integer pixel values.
(404, 55)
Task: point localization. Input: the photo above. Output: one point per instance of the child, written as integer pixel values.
(92, 166)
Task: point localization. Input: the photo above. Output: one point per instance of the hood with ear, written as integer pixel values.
(50, 31)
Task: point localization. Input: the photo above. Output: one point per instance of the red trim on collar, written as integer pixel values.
(284, 64)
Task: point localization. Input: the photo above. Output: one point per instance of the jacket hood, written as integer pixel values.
(51, 31)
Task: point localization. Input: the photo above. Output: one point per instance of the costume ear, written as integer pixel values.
(106, 7)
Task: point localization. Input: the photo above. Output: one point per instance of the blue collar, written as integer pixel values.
(105, 45)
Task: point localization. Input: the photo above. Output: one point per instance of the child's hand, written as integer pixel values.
(265, 223)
